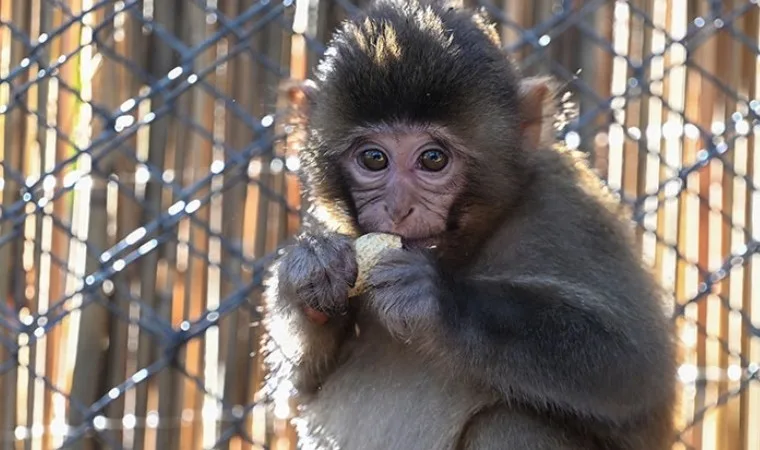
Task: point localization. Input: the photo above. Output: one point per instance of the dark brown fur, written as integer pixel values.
(534, 325)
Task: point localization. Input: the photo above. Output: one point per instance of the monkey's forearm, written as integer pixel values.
(320, 345)
(555, 342)
(308, 349)
(309, 306)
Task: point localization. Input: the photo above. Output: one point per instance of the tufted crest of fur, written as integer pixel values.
(407, 61)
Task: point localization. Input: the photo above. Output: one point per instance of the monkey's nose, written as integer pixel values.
(398, 215)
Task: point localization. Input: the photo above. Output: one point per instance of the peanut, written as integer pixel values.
(369, 249)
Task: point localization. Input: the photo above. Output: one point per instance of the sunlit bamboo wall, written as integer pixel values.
(60, 101)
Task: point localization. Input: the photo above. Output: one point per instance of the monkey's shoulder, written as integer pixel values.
(571, 171)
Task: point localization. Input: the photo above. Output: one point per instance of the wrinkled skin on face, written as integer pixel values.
(405, 180)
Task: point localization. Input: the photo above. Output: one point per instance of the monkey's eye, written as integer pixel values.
(434, 160)
(373, 159)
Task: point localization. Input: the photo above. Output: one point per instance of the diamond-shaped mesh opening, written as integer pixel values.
(146, 181)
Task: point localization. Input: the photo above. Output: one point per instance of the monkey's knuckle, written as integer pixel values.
(325, 290)
(343, 243)
(331, 243)
(394, 256)
(345, 266)
(297, 261)
(288, 285)
(345, 261)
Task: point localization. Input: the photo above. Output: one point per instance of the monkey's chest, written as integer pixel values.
(383, 396)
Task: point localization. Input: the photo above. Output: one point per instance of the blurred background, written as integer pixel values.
(147, 179)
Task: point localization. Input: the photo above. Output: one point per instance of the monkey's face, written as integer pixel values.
(404, 181)
(416, 127)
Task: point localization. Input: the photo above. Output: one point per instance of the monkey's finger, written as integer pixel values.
(337, 256)
(315, 316)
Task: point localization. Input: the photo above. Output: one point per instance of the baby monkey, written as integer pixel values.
(516, 316)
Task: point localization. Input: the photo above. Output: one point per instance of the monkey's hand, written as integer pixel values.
(317, 274)
(402, 291)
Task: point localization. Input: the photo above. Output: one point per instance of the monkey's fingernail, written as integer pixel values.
(315, 316)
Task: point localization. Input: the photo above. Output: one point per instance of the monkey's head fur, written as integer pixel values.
(430, 64)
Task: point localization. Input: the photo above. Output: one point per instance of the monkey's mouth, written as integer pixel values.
(419, 242)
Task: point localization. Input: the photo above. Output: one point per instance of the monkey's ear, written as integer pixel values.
(302, 93)
(538, 110)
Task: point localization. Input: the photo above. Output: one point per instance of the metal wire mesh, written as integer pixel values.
(147, 180)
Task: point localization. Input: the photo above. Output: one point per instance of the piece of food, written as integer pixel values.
(369, 248)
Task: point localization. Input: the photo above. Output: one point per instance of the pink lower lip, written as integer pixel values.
(419, 242)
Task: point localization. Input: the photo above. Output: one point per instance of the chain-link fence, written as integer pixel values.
(146, 177)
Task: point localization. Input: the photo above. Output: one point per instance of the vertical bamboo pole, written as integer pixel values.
(199, 161)
(180, 260)
(634, 154)
(13, 123)
(30, 357)
(541, 11)
(598, 64)
(283, 226)
(120, 84)
(53, 339)
(169, 14)
(665, 152)
(236, 330)
(269, 42)
(651, 129)
(110, 87)
(749, 402)
(688, 244)
(89, 370)
(710, 105)
(177, 260)
(672, 152)
(19, 165)
(521, 13)
(161, 63)
(728, 434)
(38, 304)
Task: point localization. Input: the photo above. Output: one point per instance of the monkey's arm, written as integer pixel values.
(544, 340)
(557, 342)
(313, 275)
(302, 350)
